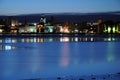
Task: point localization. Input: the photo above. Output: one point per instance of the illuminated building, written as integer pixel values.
(65, 29)
(28, 28)
(31, 28)
(40, 28)
(118, 27)
(13, 25)
(41, 25)
(111, 28)
(92, 28)
(57, 28)
(42, 20)
(2, 26)
(49, 29)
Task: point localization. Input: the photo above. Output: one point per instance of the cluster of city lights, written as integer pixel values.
(48, 27)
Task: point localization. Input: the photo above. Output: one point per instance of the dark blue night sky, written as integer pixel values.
(15, 7)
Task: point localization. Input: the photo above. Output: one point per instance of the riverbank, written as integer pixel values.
(89, 77)
(58, 35)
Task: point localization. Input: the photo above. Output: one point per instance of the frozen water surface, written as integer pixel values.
(29, 58)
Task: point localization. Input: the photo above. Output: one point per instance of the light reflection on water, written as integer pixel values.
(7, 47)
(22, 58)
(57, 39)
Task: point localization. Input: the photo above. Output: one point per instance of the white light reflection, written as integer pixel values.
(109, 39)
(34, 40)
(110, 52)
(35, 61)
(29, 40)
(14, 41)
(113, 39)
(50, 39)
(40, 40)
(22, 40)
(1, 41)
(76, 39)
(64, 39)
(65, 55)
(7, 47)
(91, 39)
(8, 40)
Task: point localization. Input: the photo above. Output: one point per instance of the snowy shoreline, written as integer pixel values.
(115, 76)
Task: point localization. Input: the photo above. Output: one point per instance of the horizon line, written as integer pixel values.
(59, 13)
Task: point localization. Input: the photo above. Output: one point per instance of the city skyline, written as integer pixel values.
(17, 7)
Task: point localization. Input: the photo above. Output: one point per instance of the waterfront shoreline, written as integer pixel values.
(115, 76)
(57, 35)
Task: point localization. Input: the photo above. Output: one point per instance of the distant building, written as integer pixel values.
(2, 26)
(118, 27)
(43, 20)
(27, 28)
(91, 28)
(65, 29)
(41, 25)
(100, 26)
(11, 25)
(22, 28)
(49, 29)
(31, 28)
(57, 28)
(14, 25)
(40, 28)
(95, 27)
(110, 27)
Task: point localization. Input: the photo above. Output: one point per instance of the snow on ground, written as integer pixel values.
(91, 77)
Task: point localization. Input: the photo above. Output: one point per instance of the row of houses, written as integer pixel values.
(27, 28)
(13, 26)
